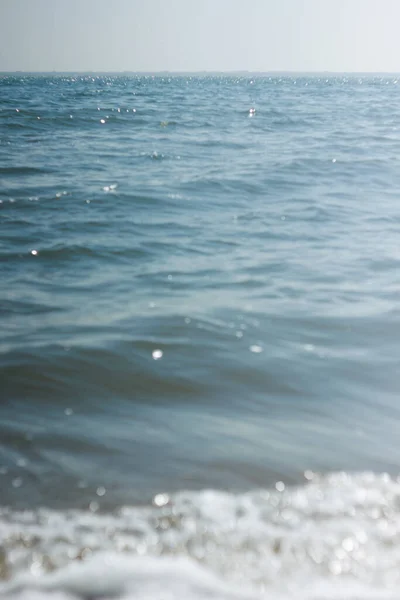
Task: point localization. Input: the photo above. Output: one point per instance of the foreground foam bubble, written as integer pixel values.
(335, 537)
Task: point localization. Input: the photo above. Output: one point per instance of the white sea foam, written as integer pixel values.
(113, 576)
(336, 537)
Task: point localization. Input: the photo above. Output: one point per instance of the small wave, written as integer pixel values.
(24, 170)
(58, 254)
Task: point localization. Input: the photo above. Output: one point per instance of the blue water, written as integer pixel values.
(247, 228)
(199, 330)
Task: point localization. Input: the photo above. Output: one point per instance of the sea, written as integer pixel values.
(199, 337)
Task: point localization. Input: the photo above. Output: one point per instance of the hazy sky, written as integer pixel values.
(192, 35)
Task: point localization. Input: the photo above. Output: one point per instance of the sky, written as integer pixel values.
(200, 35)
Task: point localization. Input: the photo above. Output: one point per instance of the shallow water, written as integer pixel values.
(199, 291)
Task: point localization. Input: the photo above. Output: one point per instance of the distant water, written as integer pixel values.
(199, 348)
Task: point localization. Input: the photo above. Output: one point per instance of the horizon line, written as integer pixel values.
(196, 72)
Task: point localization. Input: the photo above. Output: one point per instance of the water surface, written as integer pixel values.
(199, 291)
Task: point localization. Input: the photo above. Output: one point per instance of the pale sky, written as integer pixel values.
(194, 35)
